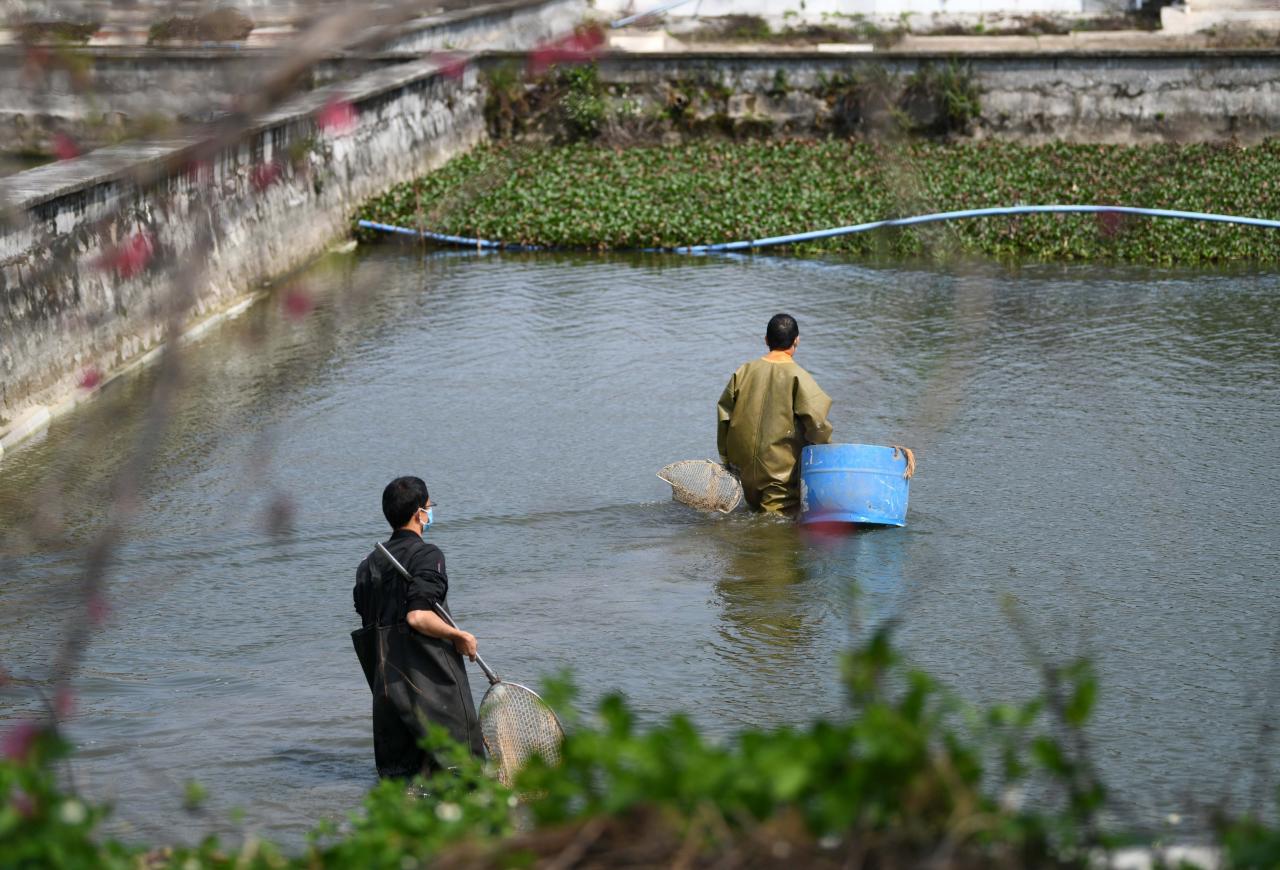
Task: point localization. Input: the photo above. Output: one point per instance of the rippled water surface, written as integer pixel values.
(1097, 447)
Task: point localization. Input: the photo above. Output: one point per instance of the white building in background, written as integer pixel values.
(1195, 15)
(781, 12)
(1183, 17)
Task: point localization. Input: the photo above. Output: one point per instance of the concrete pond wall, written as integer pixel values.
(71, 297)
(1124, 98)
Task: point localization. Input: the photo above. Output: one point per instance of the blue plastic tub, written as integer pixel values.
(853, 483)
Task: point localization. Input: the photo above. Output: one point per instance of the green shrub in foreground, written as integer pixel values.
(911, 774)
(588, 197)
(40, 826)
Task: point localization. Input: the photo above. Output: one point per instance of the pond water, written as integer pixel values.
(1098, 455)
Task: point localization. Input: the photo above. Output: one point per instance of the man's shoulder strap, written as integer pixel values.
(417, 550)
(415, 546)
(374, 568)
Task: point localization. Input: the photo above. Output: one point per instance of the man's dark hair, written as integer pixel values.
(782, 332)
(401, 498)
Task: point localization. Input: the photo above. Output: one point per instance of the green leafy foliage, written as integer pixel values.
(1248, 843)
(582, 105)
(57, 32)
(225, 24)
(40, 825)
(910, 775)
(401, 826)
(506, 104)
(572, 104)
(941, 100)
(564, 104)
(580, 196)
(193, 796)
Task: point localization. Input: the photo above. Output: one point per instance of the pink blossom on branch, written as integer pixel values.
(1110, 223)
(336, 116)
(452, 64)
(280, 514)
(199, 171)
(90, 378)
(35, 64)
(22, 803)
(265, 175)
(130, 257)
(64, 147)
(19, 740)
(584, 45)
(38, 56)
(297, 303)
(98, 609)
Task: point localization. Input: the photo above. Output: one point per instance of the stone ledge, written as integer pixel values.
(930, 53)
(34, 187)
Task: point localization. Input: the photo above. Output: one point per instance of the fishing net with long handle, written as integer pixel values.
(515, 722)
(703, 484)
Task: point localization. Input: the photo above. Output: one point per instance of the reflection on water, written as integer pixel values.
(761, 593)
(1097, 446)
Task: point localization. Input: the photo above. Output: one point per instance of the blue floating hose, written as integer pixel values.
(459, 241)
(816, 235)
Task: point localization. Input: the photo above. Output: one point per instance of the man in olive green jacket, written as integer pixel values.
(770, 409)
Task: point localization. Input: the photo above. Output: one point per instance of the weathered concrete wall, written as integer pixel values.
(106, 94)
(1078, 96)
(136, 91)
(1194, 97)
(70, 299)
(62, 308)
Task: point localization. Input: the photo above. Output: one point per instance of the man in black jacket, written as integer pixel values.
(412, 658)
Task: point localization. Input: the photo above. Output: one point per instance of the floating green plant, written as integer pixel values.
(585, 196)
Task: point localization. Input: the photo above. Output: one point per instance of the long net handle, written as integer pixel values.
(493, 678)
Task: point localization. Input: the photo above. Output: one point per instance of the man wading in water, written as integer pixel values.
(771, 409)
(411, 657)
